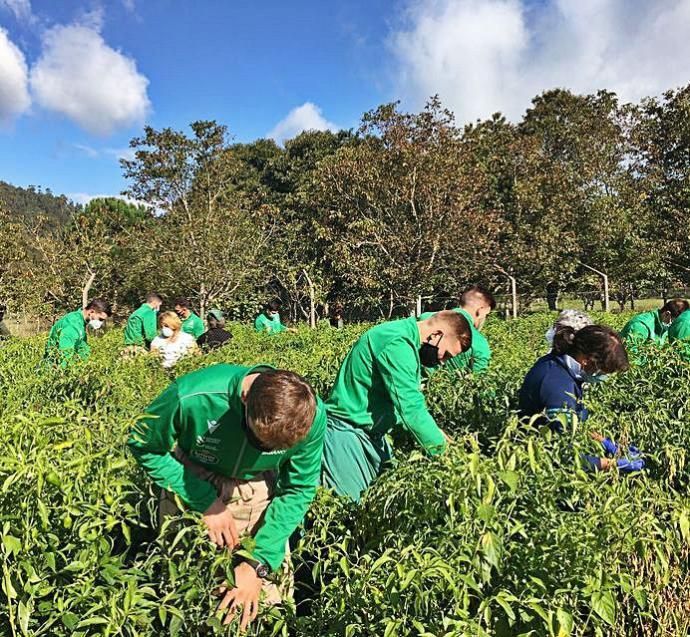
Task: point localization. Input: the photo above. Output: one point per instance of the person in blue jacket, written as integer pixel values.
(555, 385)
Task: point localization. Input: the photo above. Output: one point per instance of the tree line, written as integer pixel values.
(407, 206)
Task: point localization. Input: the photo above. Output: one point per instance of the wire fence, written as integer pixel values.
(25, 324)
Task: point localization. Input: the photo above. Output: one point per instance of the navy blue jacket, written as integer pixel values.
(553, 385)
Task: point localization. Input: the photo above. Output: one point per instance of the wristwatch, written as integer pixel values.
(260, 569)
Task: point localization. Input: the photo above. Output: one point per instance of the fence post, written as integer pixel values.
(312, 303)
(513, 290)
(604, 276)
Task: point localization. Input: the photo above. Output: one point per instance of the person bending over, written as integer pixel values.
(378, 388)
(555, 385)
(242, 446)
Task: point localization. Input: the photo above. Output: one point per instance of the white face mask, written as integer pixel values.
(95, 324)
(167, 332)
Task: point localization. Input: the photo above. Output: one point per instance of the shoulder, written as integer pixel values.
(479, 340)
(641, 319)
(546, 365)
(552, 374)
(186, 338)
(158, 342)
(318, 427)
(400, 330)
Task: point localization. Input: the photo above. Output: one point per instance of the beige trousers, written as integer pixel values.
(248, 501)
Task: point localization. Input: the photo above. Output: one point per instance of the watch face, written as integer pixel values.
(262, 571)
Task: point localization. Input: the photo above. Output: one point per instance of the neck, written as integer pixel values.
(425, 330)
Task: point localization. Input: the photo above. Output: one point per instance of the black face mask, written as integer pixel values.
(252, 439)
(428, 354)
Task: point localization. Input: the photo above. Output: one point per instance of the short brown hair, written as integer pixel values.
(598, 342)
(100, 305)
(182, 301)
(675, 307)
(475, 292)
(281, 406)
(457, 325)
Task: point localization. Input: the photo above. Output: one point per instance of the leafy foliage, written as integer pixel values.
(409, 205)
(506, 534)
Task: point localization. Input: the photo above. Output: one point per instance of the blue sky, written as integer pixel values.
(79, 79)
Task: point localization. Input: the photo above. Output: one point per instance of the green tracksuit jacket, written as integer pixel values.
(645, 327)
(680, 331)
(67, 337)
(477, 358)
(203, 414)
(193, 325)
(378, 386)
(142, 326)
(265, 324)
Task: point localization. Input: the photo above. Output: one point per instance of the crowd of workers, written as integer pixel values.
(247, 447)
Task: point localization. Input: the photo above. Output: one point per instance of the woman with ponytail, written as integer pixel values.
(555, 385)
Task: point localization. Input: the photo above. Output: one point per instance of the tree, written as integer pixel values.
(660, 167)
(209, 239)
(395, 210)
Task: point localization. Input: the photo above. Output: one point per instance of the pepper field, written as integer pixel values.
(503, 535)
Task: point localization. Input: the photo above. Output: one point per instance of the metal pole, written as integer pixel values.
(513, 288)
(604, 276)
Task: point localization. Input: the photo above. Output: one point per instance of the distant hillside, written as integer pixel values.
(32, 202)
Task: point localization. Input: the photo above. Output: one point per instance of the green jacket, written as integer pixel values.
(67, 337)
(680, 328)
(202, 413)
(265, 324)
(477, 358)
(645, 327)
(378, 386)
(193, 325)
(680, 332)
(142, 326)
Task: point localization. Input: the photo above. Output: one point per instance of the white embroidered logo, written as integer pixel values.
(212, 425)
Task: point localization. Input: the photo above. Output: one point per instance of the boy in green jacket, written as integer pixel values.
(67, 338)
(142, 324)
(191, 323)
(378, 388)
(476, 303)
(216, 438)
(653, 326)
(269, 320)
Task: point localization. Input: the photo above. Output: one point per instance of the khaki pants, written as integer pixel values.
(248, 501)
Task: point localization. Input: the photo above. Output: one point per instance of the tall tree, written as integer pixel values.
(660, 166)
(209, 239)
(396, 210)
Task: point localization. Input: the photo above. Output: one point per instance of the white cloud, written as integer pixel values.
(483, 56)
(87, 150)
(20, 8)
(300, 119)
(84, 197)
(82, 77)
(14, 93)
(117, 153)
(120, 153)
